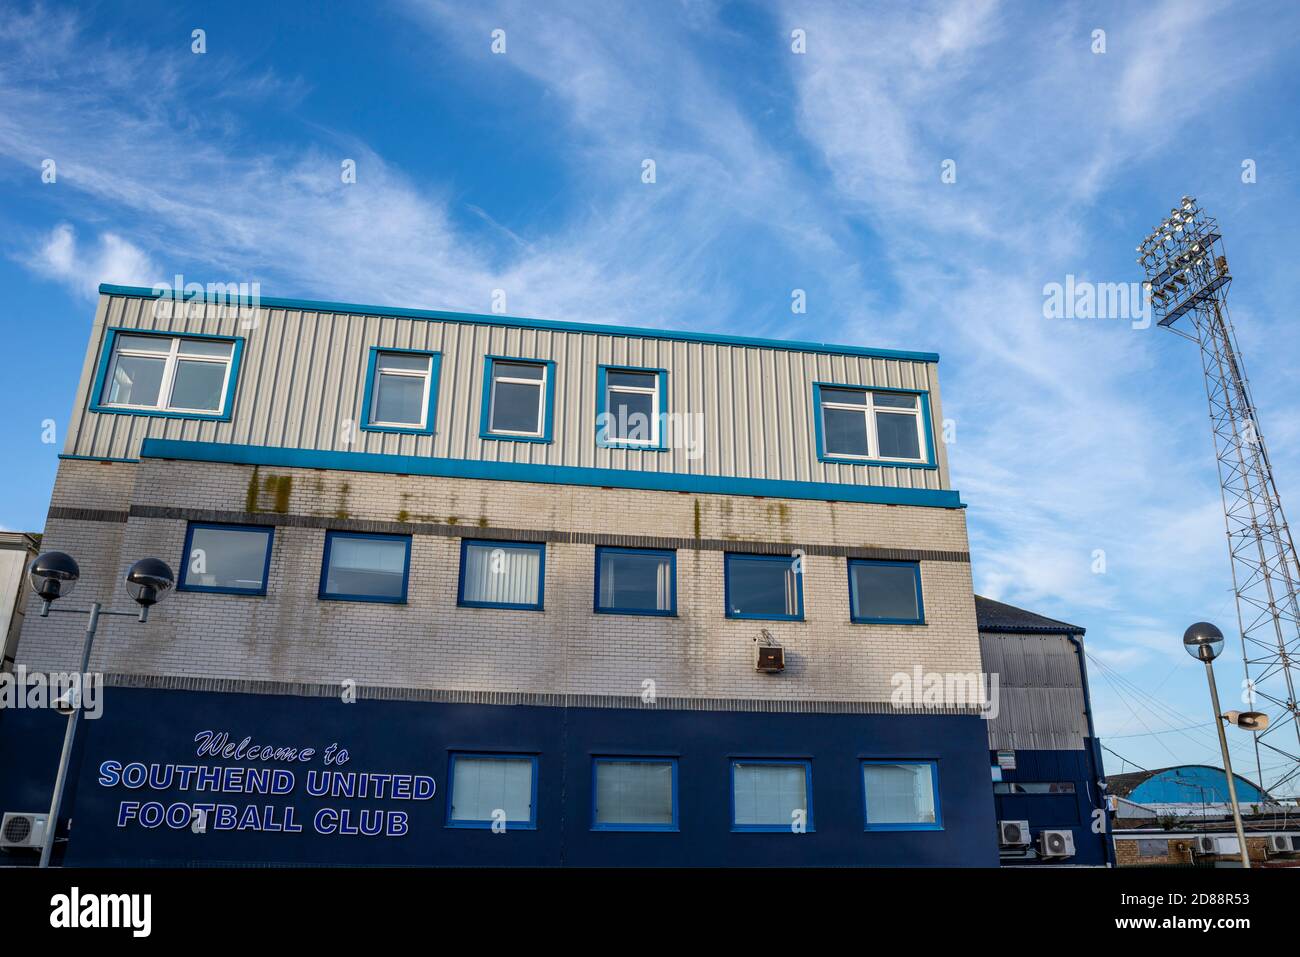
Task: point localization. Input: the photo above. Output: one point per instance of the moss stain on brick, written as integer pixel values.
(403, 515)
(482, 521)
(250, 494)
(453, 519)
(283, 487)
(697, 519)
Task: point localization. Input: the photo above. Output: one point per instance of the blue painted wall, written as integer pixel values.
(1058, 811)
(154, 726)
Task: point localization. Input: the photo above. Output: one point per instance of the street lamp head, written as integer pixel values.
(53, 575)
(148, 581)
(1203, 641)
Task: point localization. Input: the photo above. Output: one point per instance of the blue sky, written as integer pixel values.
(775, 171)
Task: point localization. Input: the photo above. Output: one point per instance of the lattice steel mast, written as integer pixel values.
(1187, 275)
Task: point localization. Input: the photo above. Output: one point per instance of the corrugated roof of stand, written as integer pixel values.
(999, 617)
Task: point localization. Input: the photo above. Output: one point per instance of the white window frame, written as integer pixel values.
(869, 410)
(380, 372)
(172, 361)
(541, 385)
(652, 390)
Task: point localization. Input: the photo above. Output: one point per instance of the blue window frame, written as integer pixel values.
(631, 408)
(636, 581)
(360, 566)
(226, 559)
(901, 795)
(763, 587)
(401, 391)
(869, 425)
(167, 375)
(885, 592)
(766, 793)
(518, 399)
(486, 787)
(502, 575)
(634, 794)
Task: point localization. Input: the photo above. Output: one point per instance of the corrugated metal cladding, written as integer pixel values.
(1041, 692)
(303, 375)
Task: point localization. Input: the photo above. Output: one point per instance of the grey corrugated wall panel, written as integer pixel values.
(303, 373)
(1042, 704)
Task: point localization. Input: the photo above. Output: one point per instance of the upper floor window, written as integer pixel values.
(502, 574)
(401, 391)
(518, 399)
(630, 407)
(636, 581)
(360, 566)
(885, 592)
(230, 559)
(857, 424)
(151, 374)
(763, 586)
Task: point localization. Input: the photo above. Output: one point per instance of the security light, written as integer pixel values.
(1203, 641)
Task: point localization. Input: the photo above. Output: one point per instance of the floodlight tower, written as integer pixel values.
(1187, 275)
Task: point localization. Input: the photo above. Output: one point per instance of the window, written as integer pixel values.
(763, 586)
(1151, 847)
(1034, 787)
(487, 788)
(634, 794)
(636, 581)
(518, 396)
(364, 567)
(867, 425)
(151, 374)
(901, 796)
(630, 407)
(885, 592)
(502, 574)
(401, 391)
(228, 559)
(771, 795)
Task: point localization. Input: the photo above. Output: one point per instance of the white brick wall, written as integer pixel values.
(290, 635)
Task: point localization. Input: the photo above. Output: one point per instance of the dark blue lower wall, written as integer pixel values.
(159, 727)
(1072, 812)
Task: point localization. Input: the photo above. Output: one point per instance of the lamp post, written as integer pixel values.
(1203, 641)
(53, 576)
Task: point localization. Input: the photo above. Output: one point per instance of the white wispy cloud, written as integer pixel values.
(110, 259)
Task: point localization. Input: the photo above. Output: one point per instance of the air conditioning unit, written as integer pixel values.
(1013, 833)
(1217, 845)
(1056, 844)
(1282, 844)
(771, 659)
(22, 829)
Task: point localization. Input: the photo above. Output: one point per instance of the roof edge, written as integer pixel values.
(360, 309)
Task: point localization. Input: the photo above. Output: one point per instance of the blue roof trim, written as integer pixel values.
(358, 309)
(543, 474)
